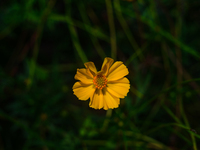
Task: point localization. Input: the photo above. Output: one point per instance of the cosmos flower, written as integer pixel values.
(105, 87)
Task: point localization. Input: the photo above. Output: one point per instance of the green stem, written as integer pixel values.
(38, 37)
(112, 29)
(74, 35)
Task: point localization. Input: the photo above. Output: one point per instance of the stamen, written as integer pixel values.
(100, 81)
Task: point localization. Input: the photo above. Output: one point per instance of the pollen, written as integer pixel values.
(100, 81)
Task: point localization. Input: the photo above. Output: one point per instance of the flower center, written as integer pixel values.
(100, 81)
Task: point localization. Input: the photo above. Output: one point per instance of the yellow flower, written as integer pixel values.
(104, 88)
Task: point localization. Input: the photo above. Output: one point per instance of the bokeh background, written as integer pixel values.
(43, 42)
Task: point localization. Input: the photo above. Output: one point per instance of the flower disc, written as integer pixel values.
(100, 81)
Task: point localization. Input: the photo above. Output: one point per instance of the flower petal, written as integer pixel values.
(106, 65)
(97, 101)
(91, 68)
(103, 99)
(83, 76)
(111, 101)
(120, 88)
(83, 91)
(122, 80)
(117, 71)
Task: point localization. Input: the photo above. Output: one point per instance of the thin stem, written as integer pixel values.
(122, 21)
(94, 40)
(74, 35)
(112, 29)
(38, 37)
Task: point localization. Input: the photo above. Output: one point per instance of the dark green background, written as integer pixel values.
(43, 42)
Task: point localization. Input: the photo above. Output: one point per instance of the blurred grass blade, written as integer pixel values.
(172, 114)
(162, 32)
(77, 44)
(91, 30)
(138, 51)
(136, 92)
(151, 141)
(112, 29)
(93, 38)
(73, 33)
(38, 37)
(136, 54)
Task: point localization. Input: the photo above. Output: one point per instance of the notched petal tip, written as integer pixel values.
(106, 65)
(119, 88)
(107, 60)
(117, 71)
(91, 67)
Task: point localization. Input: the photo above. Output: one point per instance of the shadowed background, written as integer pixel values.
(43, 42)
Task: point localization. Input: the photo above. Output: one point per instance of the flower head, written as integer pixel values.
(105, 87)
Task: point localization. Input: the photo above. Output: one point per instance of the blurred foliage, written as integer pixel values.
(43, 42)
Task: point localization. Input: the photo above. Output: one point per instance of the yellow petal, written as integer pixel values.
(122, 80)
(101, 102)
(105, 106)
(83, 91)
(97, 101)
(91, 68)
(106, 65)
(119, 88)
(117, 71)
(103, 99)
(111, 101)
(83, 76)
